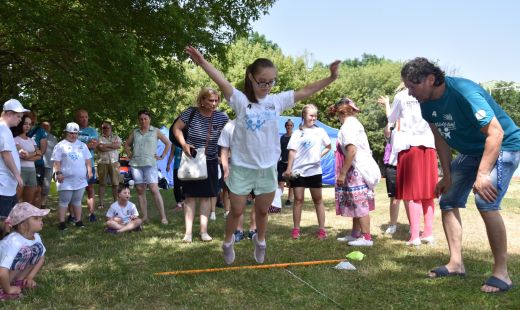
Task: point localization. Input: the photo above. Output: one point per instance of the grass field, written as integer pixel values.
(88, 269)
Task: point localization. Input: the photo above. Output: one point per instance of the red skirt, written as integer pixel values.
(417, 173)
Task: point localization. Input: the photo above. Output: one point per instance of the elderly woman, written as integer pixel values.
(204, 127)
(72, 169)
(354, 197)
(141, 149)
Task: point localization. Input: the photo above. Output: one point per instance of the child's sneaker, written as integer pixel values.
(62, 226)
(71, 219)
(251, 233)
(322, 234)
(288, 203)
(228, 252)
(213, 216)
(347, 238)
(79, 224)
(92, 217)
(259, 253)
(109, 230)
(239, 236)
(205, 237)
(5, 296)
(361, 242)
(295, 233)
(428, 240)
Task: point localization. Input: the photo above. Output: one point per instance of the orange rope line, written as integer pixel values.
(283, 265)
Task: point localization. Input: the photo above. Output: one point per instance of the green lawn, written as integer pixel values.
(88, 269)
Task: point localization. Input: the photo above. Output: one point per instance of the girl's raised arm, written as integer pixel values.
(315, 87)
(213, 73)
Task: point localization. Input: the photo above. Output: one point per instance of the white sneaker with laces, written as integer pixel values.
(259, 253)
(213, 216)
(347, 238)
(229, 252)
(361, 242)
(205, 237)
(391, 230)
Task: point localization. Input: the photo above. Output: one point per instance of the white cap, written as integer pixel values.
(72, 127)
(15, 106)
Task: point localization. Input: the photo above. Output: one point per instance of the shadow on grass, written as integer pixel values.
(87, 268)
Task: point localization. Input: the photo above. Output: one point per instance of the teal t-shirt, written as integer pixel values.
(85, 135)
(462, 111)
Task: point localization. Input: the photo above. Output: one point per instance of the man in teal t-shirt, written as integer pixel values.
(463, 116)
(89, 136)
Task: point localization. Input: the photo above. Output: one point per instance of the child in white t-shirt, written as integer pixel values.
(122, 216)
(22, 251)
(255, 142)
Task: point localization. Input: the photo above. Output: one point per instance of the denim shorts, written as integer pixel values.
(242, 181)
(145, 175)
(72, 197)
(464, 173)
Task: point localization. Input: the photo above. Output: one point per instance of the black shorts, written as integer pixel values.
(391, 175)
(281, 167)
(6, 205)
(314, 181)
(203, 188)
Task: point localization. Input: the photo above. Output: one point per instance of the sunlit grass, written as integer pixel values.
(89, 269)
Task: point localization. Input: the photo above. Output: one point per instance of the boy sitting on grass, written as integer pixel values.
(123, 215)
(22, 253)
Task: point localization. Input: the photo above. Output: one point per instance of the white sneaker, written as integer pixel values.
(226, 214)
(205, 237)
(347, 238)
(229, 252)
(391, 230)
(428, 240)
(414, 242)
(361, 242)
(259, 253)
(213, 216)
(187, 238)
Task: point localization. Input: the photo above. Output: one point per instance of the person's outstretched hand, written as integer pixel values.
(334, 69)
(195, 54)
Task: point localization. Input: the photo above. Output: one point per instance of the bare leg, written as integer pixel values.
(159, 204)
(497, 237)
(428, 212)
(189, 214)
(29, 194)
(101, 194)
(114, 193)
(452, 225)
(318, 204)
(299, 193)
(90, 198)
(364, 223)
(141, 198)
(205, 207)
(238, 203)
(394, 210)
(130, 226)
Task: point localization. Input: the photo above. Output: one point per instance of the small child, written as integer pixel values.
(22, 251)
(123, 215)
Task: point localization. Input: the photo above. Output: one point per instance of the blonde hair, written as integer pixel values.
(305, 111)
(204, 93)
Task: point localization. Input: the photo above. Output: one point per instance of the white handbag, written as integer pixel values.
(193, 168)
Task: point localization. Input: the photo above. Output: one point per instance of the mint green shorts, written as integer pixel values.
(242, 181)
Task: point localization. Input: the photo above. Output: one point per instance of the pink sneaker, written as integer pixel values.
(322, 234)
(295, 234)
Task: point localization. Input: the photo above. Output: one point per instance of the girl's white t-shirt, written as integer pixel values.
(256, 143)
(353, 132)
(125, 213)
(72, 156)
(8, 182)
(413, 129)
(226, 135)
(17, 252)
(308, 144)
(30, 146)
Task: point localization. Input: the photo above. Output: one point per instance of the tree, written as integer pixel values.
(507, 94)
(110, 57)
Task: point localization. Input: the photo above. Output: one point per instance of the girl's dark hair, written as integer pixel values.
(254, 68)
(17, 130)
(145, 112)
(418, 69)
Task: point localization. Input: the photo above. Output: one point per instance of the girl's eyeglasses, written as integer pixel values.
(264, 84)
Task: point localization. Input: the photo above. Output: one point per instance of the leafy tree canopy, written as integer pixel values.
(110, 57)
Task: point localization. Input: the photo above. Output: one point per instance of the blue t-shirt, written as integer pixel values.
(462, 111)
(38, 134)
(85, 135)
